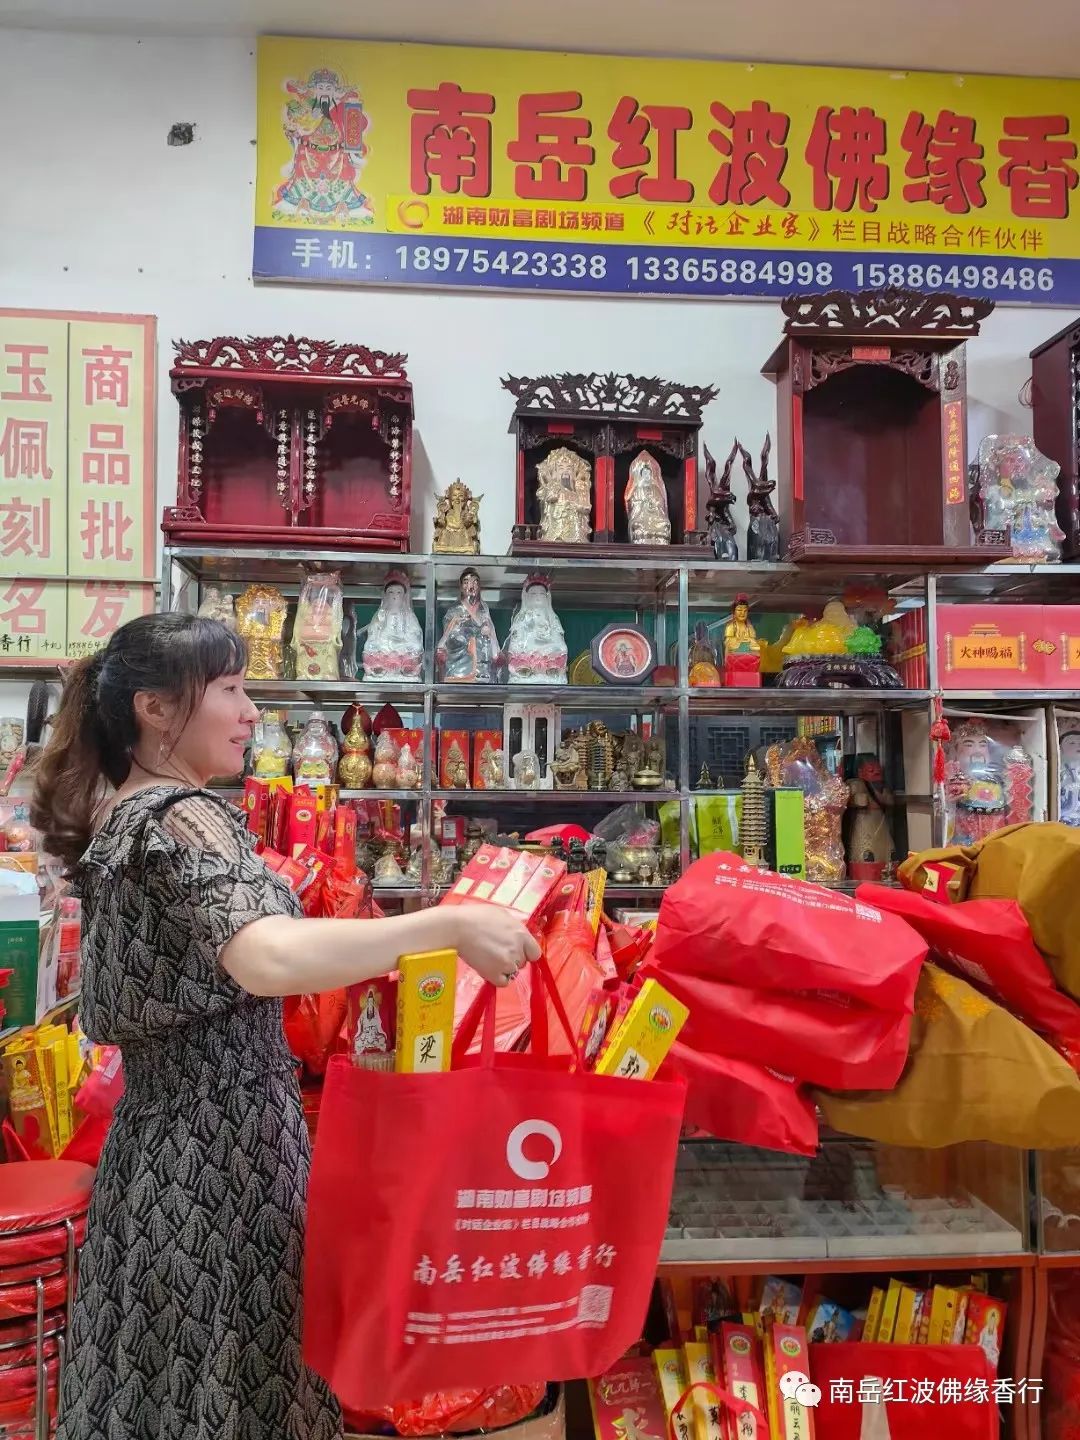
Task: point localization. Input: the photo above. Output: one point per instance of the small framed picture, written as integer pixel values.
(623, 655)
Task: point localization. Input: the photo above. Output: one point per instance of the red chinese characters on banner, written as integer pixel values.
(454, 143)
(106, 462)
(1038, 166)
(755, 144)
(631, 128)
(24, 364)
(450, 140)
(21, 608)
(107, 606)
(550, 151)
(845, 152)
(25, 529)
(24, 450)
(106, 376)
(104, 531)
(944, 162)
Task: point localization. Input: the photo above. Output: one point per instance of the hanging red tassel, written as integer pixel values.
(940, 734)
(939, 730)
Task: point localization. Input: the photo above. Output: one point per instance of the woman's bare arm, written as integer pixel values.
(284, 956)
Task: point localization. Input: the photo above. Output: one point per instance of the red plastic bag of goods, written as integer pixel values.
(746, 1103)
(988, 943)
(313, 1027)
(565, 833)
(725, 920)
(458, 1412)
(812, 1036)
(100, 1092)
(570, 950)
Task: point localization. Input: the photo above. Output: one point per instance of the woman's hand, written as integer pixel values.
(493, 941)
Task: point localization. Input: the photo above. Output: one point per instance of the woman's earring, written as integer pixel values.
(161, 752)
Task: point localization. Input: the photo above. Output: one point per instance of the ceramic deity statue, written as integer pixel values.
(1017, 490)
(974, 784)
(536, 646)
(564, 493)
(646, 502)
(469, 649)
(394, 648)
(1069, 774)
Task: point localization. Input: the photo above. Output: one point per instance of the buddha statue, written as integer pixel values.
(742, 648)
(646, 502)
(740, 637)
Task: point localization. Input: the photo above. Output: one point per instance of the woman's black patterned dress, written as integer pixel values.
(187, 1318)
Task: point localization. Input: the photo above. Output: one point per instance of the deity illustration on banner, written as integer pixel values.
(325, 123)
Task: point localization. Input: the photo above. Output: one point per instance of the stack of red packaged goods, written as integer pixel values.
(308, 838)
(592, 961)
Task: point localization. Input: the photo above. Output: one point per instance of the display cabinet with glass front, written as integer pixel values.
(854, 1199)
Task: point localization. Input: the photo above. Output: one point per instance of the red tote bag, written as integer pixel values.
(903, 1392)
(496, 1225)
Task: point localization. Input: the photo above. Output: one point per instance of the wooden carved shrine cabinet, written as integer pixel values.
(872, 427)
(291, 442)
(587, 445)
(1055, 408)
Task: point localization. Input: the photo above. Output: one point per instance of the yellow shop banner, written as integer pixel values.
(438, 165)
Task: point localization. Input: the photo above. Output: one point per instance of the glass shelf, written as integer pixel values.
(854, 1200)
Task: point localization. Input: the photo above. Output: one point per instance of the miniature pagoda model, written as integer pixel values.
(287, 441)
(753, 825)
(872, 425)
(1055, 408)
(607, 465)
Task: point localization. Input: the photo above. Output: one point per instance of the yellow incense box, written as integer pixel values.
(706, 1410)
(641, 1042)
(425, 1012)
(596, 881)
(674, 1382)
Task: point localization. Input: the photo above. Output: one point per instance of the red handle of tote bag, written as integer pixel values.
(482, 1013)
(736, 1405)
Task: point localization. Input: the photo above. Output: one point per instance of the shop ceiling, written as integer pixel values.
(1041, 37)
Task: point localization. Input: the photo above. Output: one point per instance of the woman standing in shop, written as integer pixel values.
(187, 1318)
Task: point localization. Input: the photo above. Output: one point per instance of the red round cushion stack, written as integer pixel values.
(43, 1207)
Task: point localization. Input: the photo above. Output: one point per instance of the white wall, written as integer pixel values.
(100, 214)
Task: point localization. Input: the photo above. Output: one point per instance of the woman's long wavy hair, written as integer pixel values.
(94, 733)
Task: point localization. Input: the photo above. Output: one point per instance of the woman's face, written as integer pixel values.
(213, 740)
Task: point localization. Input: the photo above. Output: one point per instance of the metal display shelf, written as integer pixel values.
(664, 596)
(343, 692)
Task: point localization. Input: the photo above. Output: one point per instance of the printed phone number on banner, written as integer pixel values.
(664, 271)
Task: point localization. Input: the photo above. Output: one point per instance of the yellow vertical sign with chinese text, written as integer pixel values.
(77, 480)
